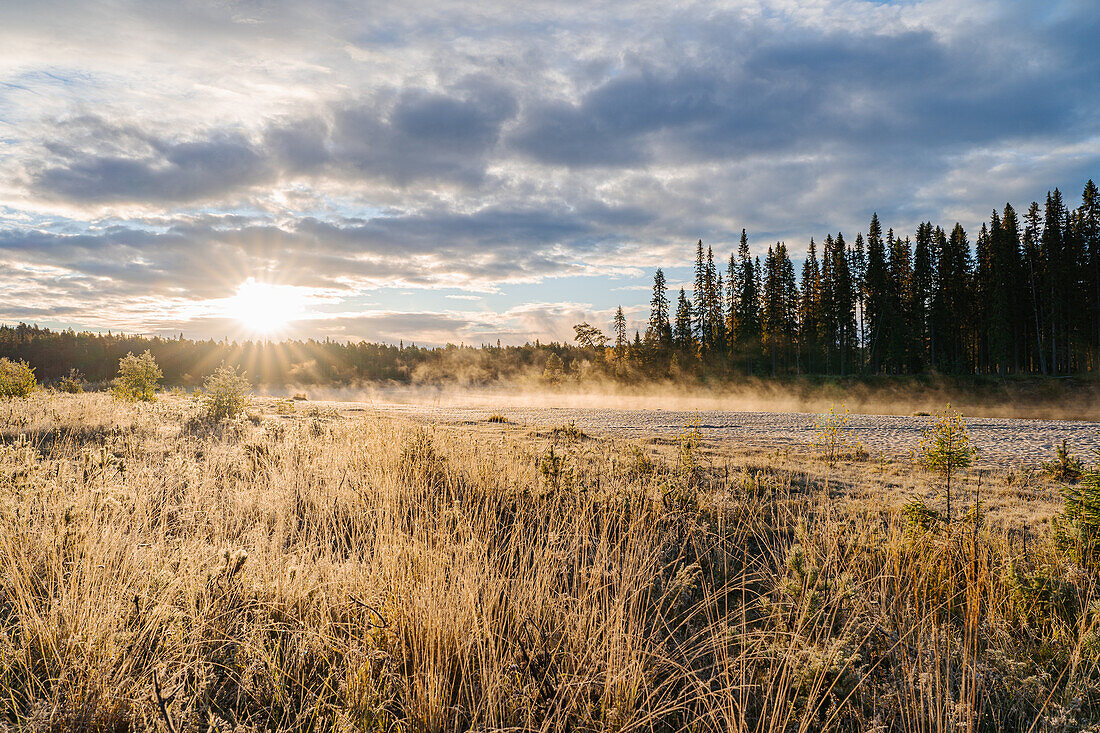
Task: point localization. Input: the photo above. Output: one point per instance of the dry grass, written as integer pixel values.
(309, 571)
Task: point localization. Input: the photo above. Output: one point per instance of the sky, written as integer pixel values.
(464, 172)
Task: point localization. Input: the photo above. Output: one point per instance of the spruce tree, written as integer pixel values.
(1035, 267)
(1051, 246)
(771, 316)
(681, 334)
(923, 282)
(1090, 228)
(875, 288)
(952, 301)
(859, 278)
(660, 331)
(748, 301)
(733, 294)
(618, 326)
(1015, 286)
(809, 314)
(701, 299)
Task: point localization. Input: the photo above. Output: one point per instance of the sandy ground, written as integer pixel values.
(1001, 442)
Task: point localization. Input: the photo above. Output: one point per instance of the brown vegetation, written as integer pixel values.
(302, 570)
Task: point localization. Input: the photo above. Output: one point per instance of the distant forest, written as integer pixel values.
(1023, 300)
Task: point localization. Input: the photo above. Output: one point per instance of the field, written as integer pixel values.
(308, 567)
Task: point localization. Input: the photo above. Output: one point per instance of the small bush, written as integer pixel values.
(300, 397)
(919, 516)
(947, 450)
(556, 470)
(16, 378)
(568, 431)
(227, 393)
(834, 440)
(497, 417)
(1064, 467)
(71, 383)
(638, 464)
(284, 407)
(1078, 529)
(137, 378)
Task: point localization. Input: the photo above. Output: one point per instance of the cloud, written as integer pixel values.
(442, 145)
(173, 172)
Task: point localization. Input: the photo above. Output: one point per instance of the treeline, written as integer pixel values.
(1025, 299)
(186, 362)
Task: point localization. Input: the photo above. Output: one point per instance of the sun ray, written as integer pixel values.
(265, 309)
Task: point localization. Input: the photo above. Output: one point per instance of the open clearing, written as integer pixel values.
(1001, 441)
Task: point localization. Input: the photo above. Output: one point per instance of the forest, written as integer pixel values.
(1024, 299)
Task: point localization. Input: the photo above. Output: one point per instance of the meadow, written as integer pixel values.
(296, 568)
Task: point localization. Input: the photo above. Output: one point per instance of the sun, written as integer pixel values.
(266, 309)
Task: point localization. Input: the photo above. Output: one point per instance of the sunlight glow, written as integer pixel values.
(266, 309)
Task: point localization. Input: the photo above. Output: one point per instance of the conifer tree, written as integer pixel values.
(809, 314)
(681, 334)
(875, 289)
(859, 278)
(1051, 247)
(701, 299)
(1036, 274)
(748, 301)
(923, 284)
(618, 326)
(771, 316)
(1090, 229)
(844, 302)
(1014, 286)
(951, 303)
(715, 317)
(733, 294)
(899, 310)
(660, 331)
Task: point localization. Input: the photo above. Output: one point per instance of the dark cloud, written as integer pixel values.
(910, 93)
(421, 136)
(175, 172)
(426, 135)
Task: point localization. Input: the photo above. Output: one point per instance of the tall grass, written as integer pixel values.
(314, 572)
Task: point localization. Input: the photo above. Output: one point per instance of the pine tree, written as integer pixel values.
(748, 302)
(681, 335)
(618, 326)
(899, 304)
(1015, 283)
(845, 304)
(733, 294)
(951, 303)
(660, 331)
(715, 317)
(780, 304)
(1090, 228)
(1051, 247)
(859, 278)
(923, 283)
(701, 300)
(809, 314)
(875, 294)
(1036, 274)
(771, 317)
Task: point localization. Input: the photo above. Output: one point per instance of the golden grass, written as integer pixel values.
(308, 571)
